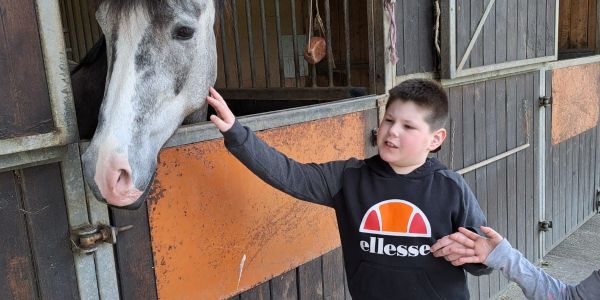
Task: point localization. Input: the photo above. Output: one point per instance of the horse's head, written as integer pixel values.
(161, 61)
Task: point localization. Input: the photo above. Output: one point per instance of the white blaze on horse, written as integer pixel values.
(161, 61)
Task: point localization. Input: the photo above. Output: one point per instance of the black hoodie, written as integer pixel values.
(387, 221)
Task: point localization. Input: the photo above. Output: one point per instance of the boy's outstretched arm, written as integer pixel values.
(496, 252)
(317, 183)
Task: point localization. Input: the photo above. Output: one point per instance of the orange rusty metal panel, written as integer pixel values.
(575, 97)
(207, 212)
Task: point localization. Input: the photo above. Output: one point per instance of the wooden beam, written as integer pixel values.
(284, 94)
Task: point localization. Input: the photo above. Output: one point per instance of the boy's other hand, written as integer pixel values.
(481, 246)
(224, 119)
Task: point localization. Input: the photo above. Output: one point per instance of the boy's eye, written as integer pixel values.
(389, 120)
(408, 127)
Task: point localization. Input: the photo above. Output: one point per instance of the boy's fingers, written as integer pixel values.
(441, 243)
(218, 122)
(215, 94)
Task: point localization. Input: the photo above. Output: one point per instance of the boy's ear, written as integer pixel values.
(438, 138)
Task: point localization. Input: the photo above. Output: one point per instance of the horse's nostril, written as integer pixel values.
(122, 175)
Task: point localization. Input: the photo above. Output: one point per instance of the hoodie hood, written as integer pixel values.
(383, 168)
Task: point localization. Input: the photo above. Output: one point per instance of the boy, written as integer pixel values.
(391, 207)
(496, 252)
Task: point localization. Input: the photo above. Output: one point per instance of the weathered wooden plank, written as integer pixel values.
(25, 106)
(333, 275)
(511, 161)
(489, 36)
(456, 128)
(72, 32)
(310, 280)
(521, 166)
(522, 29)
(555, 192)
(565, 24)
(444, 154)
(540, 44)
(46, 215)
(477, 9)
(480, 174)
(399, 14)
(259, 292)
(501, 26)
(531, 27)
(411, 23)
(17, 277)
(550, 27)
(491, 169)
(469, 159)
(426, 49)
(511, 30)
(346, 289)
(501, 137)
(578, 27)
(284, 286)
(564, 198)
(463, 29)
(569, 185)
(134, 254)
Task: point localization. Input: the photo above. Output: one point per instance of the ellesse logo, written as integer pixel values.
(396, 218)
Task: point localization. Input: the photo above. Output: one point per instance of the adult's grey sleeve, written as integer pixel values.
(312, 182)
(534, 282)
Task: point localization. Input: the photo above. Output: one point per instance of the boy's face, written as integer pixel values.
(404, 138)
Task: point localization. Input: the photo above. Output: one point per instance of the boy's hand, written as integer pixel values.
(449, 249)
(224, 119)
(480, 245)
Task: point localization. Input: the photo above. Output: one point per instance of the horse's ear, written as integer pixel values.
(102, 15)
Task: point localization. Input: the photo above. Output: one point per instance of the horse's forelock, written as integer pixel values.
(153, 7)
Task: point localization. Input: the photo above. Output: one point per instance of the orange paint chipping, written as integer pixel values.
(575, 98)
(218, 230)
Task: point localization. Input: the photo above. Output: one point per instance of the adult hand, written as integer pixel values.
(224, 119)
(481, 246)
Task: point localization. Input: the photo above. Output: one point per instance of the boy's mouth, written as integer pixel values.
(391, 145)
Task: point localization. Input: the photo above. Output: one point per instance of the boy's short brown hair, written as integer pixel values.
(426, 94)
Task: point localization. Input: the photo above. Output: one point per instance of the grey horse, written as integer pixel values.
(161, 61)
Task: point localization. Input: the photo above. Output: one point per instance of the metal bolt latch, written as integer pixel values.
(545, 101)
(544, 225)
(87, 238)
(374, 137)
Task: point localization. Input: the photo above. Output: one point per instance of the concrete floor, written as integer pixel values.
(572, 260)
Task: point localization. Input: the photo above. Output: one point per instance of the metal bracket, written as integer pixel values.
(545, 101)
(544, 225)
(374, 137)
(87, 238)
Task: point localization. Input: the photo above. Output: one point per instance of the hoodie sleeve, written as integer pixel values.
(534, 282)
(312, 182)
(471, 217)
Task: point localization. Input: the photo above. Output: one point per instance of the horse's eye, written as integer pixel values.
(183, 33)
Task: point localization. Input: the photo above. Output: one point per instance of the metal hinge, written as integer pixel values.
(544, 225)
(545, 101)
(87, 238)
